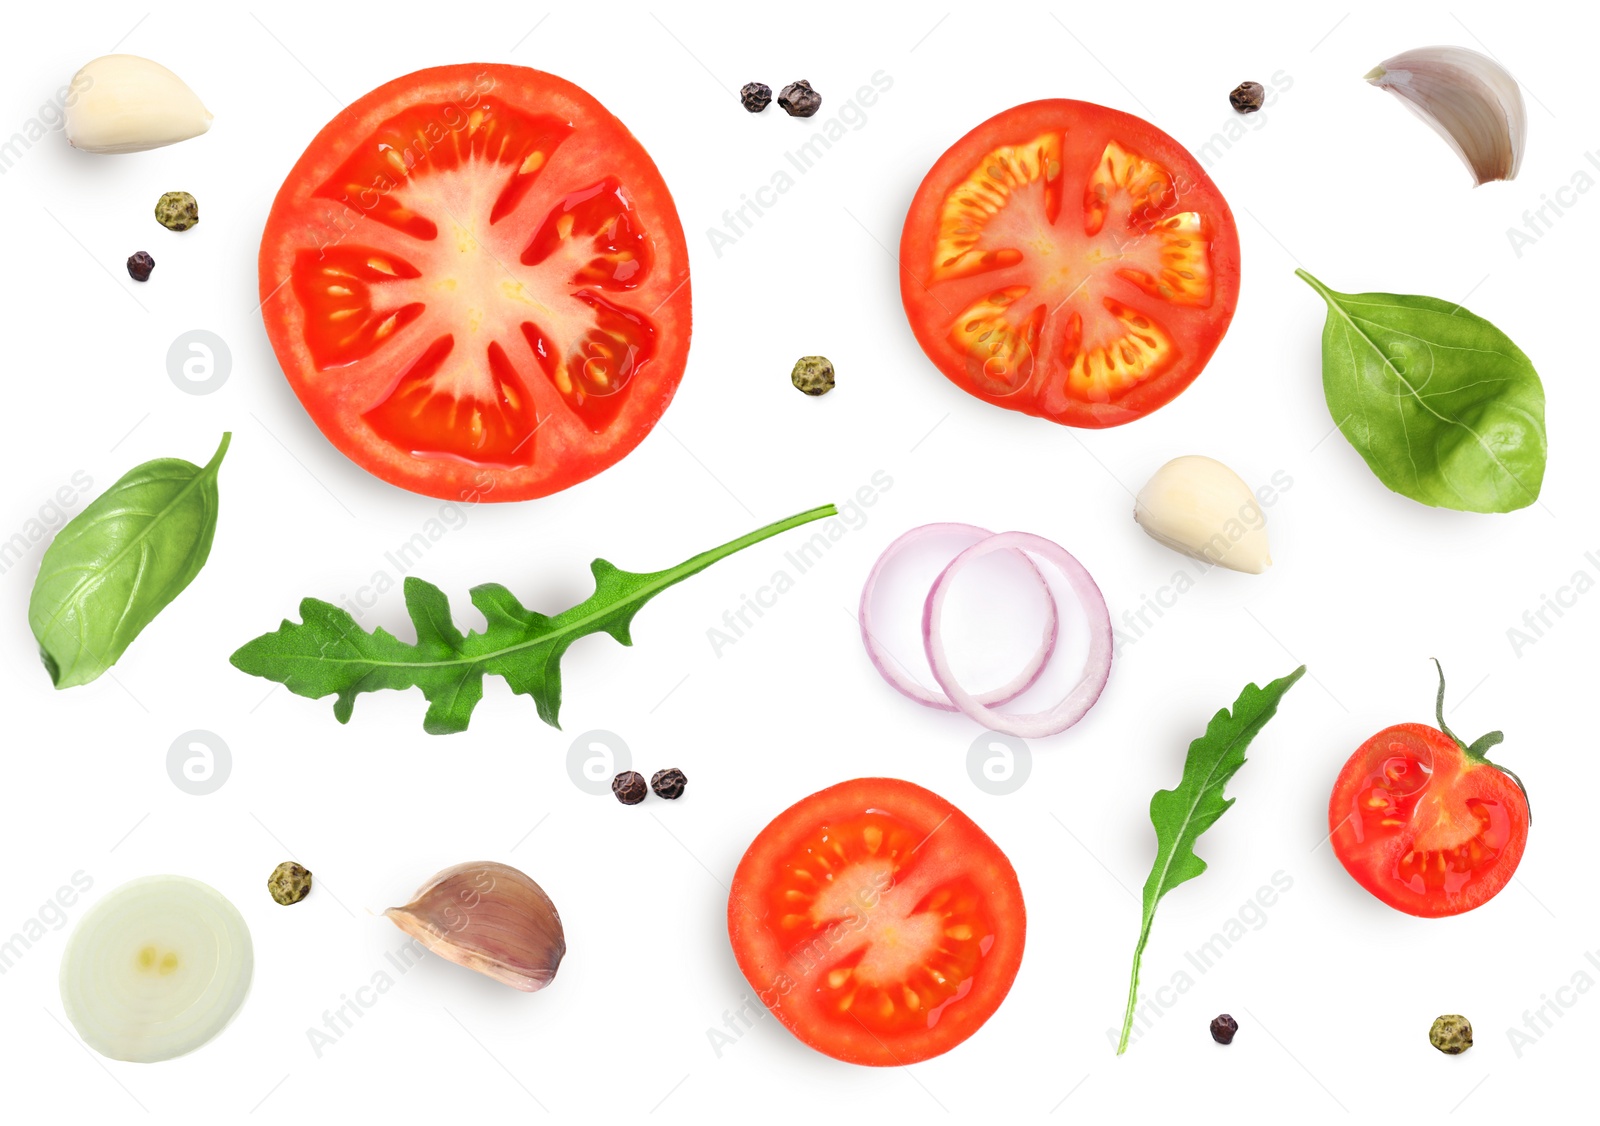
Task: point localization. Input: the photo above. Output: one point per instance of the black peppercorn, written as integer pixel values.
(1223, 1029)
(798, 99)
(629, 787)
(668, 783)
(1248, 96)
(755, 96)
(140, 265)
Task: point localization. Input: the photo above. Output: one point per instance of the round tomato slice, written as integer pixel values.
(476, 281)
(877, 922)
(1069, 261)
(1425, 826)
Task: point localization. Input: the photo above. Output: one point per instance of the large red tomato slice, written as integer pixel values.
(1425, 823)
(1069, 261)
(476, 281)
(877, 922)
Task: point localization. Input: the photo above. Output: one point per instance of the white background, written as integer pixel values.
(1334, 992)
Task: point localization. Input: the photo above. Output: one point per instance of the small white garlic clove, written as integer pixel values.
(1468, 99)
(490, 918)
(123, 103)
(1202, 508)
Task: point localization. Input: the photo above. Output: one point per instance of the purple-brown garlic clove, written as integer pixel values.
(490, 918)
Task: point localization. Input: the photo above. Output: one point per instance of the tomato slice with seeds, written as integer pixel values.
(877, 921)
(1423, 826)
(1069, 261)
(476, 282)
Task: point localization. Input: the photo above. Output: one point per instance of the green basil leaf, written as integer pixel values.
(1443, 407)
(119, 562)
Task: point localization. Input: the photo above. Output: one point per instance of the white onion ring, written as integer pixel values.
(156, 968)
(890, 669)
(1097, 669)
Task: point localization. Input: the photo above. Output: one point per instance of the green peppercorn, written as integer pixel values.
(813, 375)
(1451, 1034)
(177, 211)
(289, 883)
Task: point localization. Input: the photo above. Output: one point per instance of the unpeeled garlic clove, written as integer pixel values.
(1469, 100)
(1202, 508)
(123, 103)
(491, 918)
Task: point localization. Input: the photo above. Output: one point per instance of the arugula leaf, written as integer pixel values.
(328, 654)
(120, 562)
(1441, 405)
(1181, 815)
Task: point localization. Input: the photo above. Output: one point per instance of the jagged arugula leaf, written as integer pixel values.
(327, 654)
(1181, 815)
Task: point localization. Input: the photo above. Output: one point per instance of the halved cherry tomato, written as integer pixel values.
(476, 281)
(1426, 824)
(1069, 261)
(877, 922)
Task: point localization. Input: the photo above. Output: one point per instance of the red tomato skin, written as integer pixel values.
(927, 315)
(1460, 778)
(575, 455)
(767, 971)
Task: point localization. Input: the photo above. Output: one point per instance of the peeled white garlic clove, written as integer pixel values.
(1468, 99)
(491, 918)
(123, 103)
(1200, 507)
